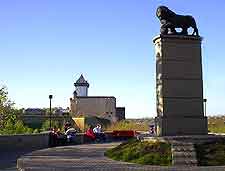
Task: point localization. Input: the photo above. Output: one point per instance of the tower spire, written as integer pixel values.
(81, 86)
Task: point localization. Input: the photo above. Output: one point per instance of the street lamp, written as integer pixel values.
(50, 98)
(205, 100)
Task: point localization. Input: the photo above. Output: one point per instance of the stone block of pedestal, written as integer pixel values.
(179, 86)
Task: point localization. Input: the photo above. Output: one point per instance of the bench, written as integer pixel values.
(123, 134)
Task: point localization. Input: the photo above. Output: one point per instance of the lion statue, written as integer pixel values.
(170, 20)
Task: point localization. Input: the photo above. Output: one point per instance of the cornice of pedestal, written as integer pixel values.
(177, 37)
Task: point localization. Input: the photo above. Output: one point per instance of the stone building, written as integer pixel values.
(101, 106)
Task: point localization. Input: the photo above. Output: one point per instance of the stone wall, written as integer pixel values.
(30, 142)
(24, 141)
(82, 139)
(100, 106)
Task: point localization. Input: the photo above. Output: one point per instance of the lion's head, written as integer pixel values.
(163, 12)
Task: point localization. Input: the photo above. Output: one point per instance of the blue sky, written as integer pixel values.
(46, 44)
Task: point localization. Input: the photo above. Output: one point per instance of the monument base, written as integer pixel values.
(173, 126)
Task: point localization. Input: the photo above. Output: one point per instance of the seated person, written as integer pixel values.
(53, 137)
(98, 133)
(90, 134)
(61, 138)
(70, 133)
(66, 126)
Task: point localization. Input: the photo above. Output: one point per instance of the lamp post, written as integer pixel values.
(50, 98)
(205, 100)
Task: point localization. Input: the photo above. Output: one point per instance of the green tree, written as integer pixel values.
(10, 122)
(7, 110)
(46, 124)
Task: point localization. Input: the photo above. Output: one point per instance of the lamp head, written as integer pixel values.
(50, 96)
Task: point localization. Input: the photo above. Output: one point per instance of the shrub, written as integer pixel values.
(216, 124)
(46, 125)
(129, 125)
(36, 131)
(152, 153)
(15, 128)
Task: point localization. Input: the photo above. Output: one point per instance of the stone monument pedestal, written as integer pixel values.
(181, 126)
(179, 86)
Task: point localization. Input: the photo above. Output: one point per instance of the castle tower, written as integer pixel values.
(81, 86)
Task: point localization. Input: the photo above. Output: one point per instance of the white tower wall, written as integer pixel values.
(82, 90)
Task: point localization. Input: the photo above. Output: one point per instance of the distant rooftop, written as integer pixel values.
(34, 111)
(95, 97)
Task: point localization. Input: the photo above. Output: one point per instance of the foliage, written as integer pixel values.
(129, 125)
(35, 131)
(17, 128)
(9, 116)
(46, 125)
(211, 154)
(216, 124)
(146, 152)
(7, 112)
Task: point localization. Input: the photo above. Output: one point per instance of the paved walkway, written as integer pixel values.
(86, 157)
(8, 159)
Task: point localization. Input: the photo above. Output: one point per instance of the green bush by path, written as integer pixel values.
(211, 154)
(149, 153)
(16, 128)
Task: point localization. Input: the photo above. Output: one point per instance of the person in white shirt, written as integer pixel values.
(98, 133)
(70, 133)
(97, 129)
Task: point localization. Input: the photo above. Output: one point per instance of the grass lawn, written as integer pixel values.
(149, 153)
(211, 154)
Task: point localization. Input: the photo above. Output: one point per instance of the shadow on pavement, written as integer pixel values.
(8, 159)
